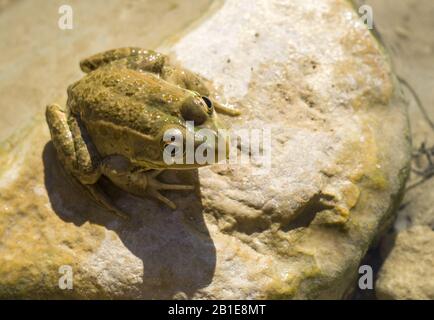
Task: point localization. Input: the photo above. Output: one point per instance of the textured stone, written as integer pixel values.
(408, 272)
(412, 59)
(312, 72)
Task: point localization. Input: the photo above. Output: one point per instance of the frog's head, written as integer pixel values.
(191, 137)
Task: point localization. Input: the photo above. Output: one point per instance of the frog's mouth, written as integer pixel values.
(206, 149)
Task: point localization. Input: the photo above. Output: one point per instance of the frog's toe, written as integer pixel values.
(157, 195)
(166, 186)
(227, 110)
(154, 186)
(104, 201)
(153, 183)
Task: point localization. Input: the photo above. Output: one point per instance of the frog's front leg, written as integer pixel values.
(138, 181)
(78, 158)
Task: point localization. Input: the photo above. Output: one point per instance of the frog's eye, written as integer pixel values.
(194, 109)
(208, 103)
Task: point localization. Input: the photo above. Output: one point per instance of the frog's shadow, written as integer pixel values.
(175, 247)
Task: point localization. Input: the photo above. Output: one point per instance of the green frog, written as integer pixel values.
(117, 115)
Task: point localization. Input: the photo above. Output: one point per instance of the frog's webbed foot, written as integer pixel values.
(154, 187)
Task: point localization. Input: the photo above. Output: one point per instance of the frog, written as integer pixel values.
(116, 116)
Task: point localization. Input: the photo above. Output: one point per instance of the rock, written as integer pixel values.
(319, 81)
(413, 62)
(408, 272)
(408, 247)
(418, 206)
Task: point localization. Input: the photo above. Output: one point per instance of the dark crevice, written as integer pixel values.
(305, 215)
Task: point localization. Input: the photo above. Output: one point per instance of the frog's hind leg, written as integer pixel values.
(130, 57)
(102, 58)
(78, 158)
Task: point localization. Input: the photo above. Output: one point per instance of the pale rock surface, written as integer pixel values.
(311, 72)
(408, 272)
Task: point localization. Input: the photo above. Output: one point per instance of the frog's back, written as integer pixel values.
(126, 98)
